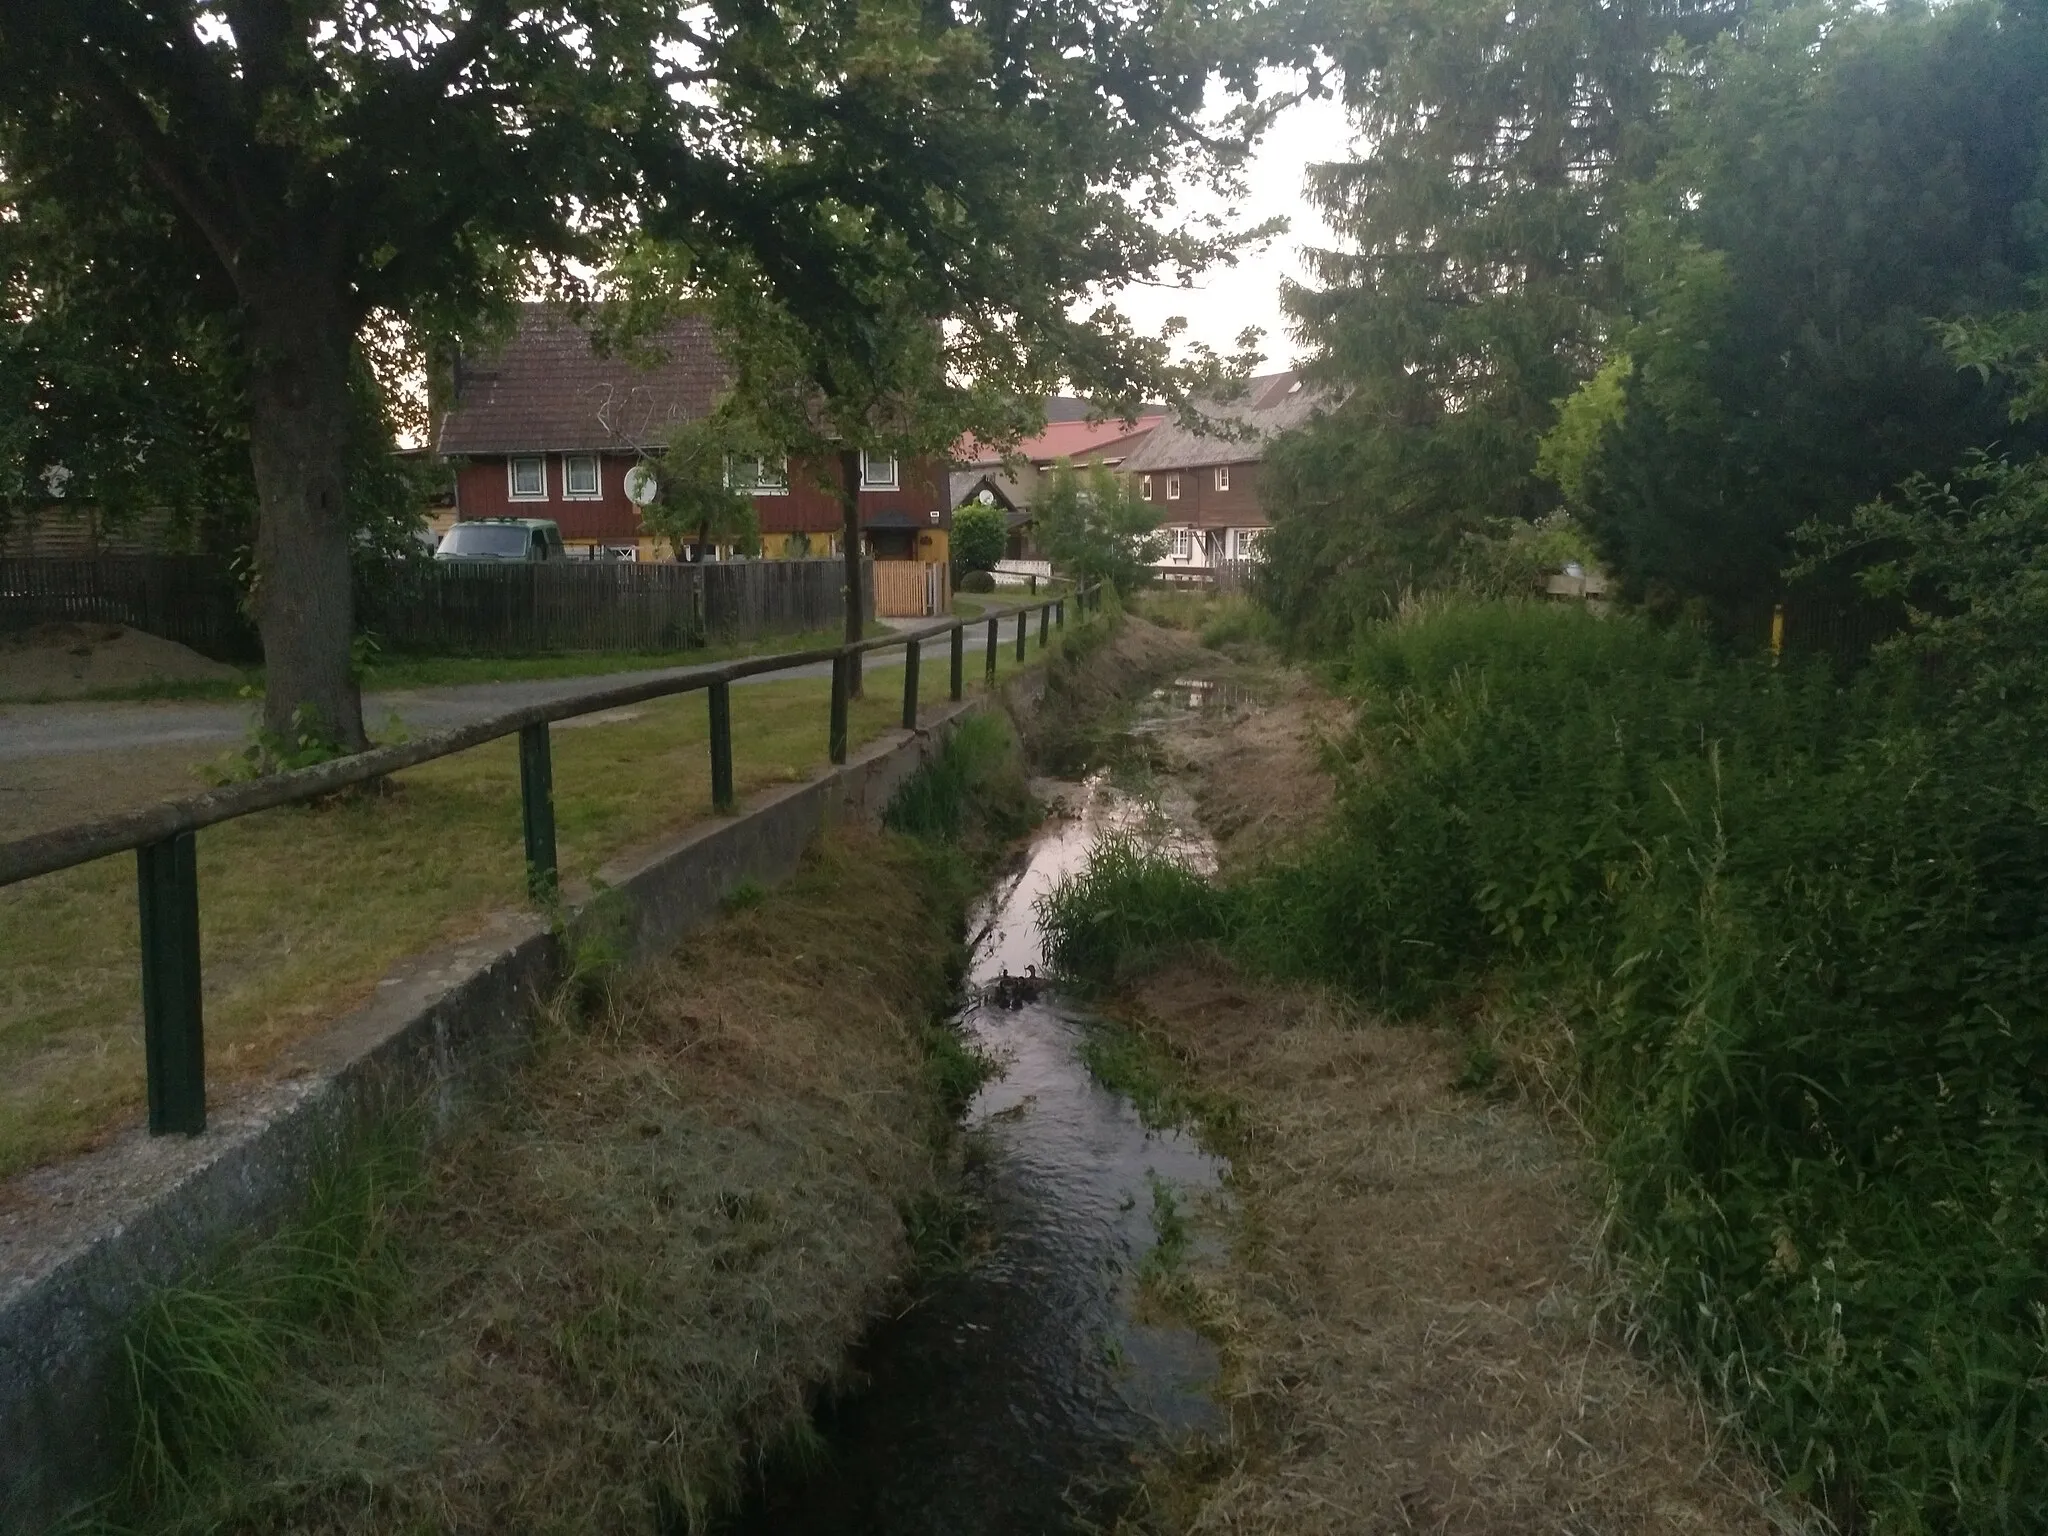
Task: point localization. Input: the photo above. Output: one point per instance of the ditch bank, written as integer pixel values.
(150, 1225)
(1416, 1325)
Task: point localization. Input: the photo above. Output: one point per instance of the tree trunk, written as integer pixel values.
(299, 343)
(849, 518)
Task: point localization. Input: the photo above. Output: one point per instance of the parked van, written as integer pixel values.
(503, 538)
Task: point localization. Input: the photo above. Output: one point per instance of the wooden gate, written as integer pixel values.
(912, 589)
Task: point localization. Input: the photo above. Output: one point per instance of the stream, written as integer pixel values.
(1009, 1398)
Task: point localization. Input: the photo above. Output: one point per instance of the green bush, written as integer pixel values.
(980, 535)
(977, 581)
(1785, 934)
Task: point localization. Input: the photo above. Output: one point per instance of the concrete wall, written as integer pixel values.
(93, 1238)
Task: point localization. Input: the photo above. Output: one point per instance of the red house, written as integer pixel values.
(546, 427)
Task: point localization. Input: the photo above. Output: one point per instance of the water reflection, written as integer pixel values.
(1013, 1393)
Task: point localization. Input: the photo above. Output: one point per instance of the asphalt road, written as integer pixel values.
(58, 730)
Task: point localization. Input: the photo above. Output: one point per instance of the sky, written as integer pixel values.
(1227, 299)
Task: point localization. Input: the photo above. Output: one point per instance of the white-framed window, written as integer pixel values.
(580, 477)
(527, 478)
(1144, 487)
(1183, 543)
(757, 473)
(877, 471)
(1222, 477)
(1173, 487)
(1248, 541)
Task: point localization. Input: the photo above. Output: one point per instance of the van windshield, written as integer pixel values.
(493, 542)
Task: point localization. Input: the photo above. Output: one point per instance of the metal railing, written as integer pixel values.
(162, 836)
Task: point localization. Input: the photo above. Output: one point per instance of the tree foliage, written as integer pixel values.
(281, 171)
(698, 501)
(1093, 527)
(1842, 183)
(1474, 281)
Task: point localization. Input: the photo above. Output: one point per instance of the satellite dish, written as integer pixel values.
(987, 497)
(641, 486)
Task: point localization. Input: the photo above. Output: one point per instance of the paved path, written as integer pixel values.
(57, 730)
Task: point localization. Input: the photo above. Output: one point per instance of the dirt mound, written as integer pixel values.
(69, 660)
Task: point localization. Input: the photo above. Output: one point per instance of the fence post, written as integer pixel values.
(958, 683)
(988, 651)
(537, 811)
(1059, 614)
(1022, 616)
(719, 696)
(836, 740)
(910, 660)
(173, 1040)
(1044, 625)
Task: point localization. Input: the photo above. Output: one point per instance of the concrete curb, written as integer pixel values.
(85, 1243)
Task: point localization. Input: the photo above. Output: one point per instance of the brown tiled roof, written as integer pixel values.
(546, 391)
(1270, 405)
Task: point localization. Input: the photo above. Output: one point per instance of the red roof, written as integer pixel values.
(1066, 440)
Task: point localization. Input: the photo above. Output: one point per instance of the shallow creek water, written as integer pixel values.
(1008, 1399)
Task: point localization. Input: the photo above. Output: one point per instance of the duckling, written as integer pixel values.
(1028, 986)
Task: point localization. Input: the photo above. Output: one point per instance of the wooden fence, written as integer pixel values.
(192, 599)
(451, 607)
(911, 589)
(1226, 578)
(447, 607)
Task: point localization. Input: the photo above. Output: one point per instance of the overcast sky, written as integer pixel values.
(1227, 299)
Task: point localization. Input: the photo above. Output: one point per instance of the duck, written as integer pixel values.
(1008, 991)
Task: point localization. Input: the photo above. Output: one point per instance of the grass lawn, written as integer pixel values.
(303, 910)
(391, 673)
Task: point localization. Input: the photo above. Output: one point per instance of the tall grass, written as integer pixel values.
(202, 1356)
(973, 786)
(1783, 939)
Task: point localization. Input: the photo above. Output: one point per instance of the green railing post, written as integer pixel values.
(1023, 616)
(910, 660)
(173, 1040)
(1044, 625)
(720, 698)
(836, 742)
(988, 651)
(957, 685)
(537, 811)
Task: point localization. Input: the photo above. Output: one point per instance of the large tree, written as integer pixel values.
(1839, 180)
(311, 162)
(1475, 273)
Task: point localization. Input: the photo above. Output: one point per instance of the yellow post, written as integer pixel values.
(1777, 630)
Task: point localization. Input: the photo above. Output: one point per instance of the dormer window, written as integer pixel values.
(1222, 477)
(1173, 487)
(529, 478)
(1144, 487)
(877, 472)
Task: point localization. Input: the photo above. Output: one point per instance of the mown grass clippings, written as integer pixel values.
(1412, 1314)
(625, 1283)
